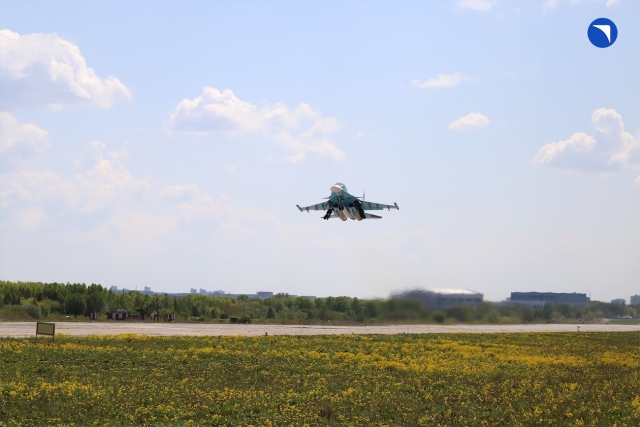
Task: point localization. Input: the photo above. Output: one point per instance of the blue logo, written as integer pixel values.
(602, 32)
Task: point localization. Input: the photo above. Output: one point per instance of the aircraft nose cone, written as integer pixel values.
(335, 189)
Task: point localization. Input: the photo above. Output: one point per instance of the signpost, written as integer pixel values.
(43, 328)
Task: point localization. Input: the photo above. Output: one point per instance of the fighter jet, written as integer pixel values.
(341, 204)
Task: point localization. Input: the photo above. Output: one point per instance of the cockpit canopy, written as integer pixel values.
(341, 185)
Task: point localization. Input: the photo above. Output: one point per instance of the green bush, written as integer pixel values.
(21, 311)
(461, 313)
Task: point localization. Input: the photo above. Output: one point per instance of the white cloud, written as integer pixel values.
(35, 187)
(469, 122)
(91, 155)
(476, 4)
(234, 166)
(197, 207)
(204, 206)
(443, 80)
(44, 69)
(180, 192)
(194, 204)
(612, 148)
(107, 181)
(104, 203)
(579, 142)
(300, 131)
(30, 218)
(139, 229)
(19, 144)
(106, 185)
(551, 4)
(103, 183)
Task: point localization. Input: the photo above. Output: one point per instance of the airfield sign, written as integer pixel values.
(43, 328)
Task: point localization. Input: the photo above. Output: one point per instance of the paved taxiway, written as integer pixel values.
(26, 329)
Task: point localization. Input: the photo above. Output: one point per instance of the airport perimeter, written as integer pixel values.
(27, 329)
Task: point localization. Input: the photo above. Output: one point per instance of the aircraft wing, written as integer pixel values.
(318, 207)
(370, 206)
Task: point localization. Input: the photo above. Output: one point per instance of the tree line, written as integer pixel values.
(50, 300)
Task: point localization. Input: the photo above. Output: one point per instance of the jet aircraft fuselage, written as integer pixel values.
(341, 204)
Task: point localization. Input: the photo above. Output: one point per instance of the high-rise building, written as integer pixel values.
(114, 288)
(634, 300)
(618, 301)
(194, 291)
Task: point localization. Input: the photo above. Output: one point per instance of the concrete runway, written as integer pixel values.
(27, 329)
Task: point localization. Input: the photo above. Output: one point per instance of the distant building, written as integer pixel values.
(634, 300)
(441, 299)
(219, 293)
(203, 291)
(264, 294)
(618, 301)
(147, 291)
(114, 288)
(539, 299)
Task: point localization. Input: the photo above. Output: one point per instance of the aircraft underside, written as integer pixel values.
(355, 212)
(341, 204)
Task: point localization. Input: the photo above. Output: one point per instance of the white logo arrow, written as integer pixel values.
(606, 29)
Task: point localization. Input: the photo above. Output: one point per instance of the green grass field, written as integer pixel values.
(563, 379)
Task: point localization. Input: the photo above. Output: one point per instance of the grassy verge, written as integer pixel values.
(422, 380)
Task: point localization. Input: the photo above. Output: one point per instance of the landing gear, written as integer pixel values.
(328, 214)
(358, 206)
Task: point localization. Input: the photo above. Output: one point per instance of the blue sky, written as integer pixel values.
(166, 144)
